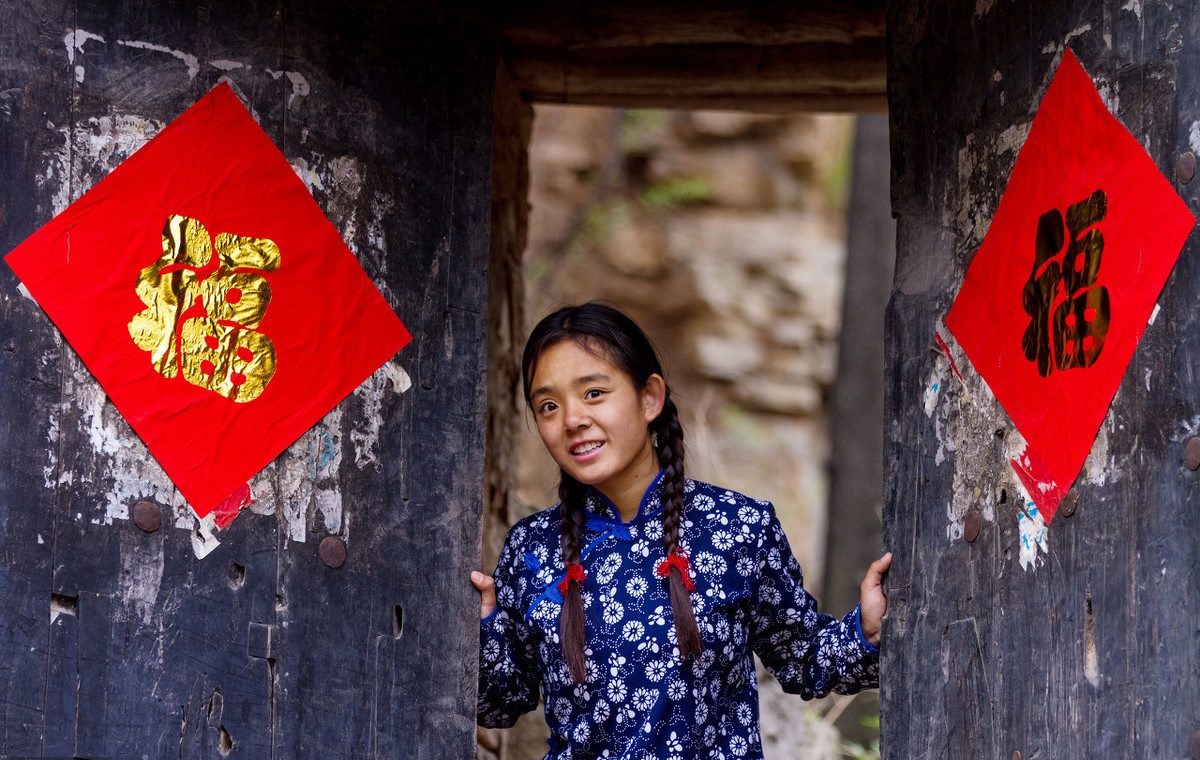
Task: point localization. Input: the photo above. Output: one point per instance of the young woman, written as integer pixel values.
(634, 606)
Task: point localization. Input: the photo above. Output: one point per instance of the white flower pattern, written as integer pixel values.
(639, 697)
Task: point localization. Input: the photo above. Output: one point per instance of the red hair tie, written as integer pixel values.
(574, 573)
(678, 559)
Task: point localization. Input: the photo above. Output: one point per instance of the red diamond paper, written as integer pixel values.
(1060, 291)
(207, 292)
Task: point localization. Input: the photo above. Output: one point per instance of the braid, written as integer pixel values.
(670, 457)
(572, 624)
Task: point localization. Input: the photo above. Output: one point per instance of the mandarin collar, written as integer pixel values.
(603, 510)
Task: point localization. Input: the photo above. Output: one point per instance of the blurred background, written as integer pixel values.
(729, 237)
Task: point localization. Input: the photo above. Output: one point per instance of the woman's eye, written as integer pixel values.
(594, 393)
(547, 407)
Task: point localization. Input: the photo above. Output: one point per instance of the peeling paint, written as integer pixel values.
(1078, 31)
(300, 86)
(141, 574)
(365, 435)
(228, 65)
(191, 61)
(306, 482)
(75, 40)
(1135, 6)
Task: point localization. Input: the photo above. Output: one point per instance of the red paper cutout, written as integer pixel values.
(93, 269)
(1060, 291)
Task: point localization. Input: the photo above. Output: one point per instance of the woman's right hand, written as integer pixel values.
(487, 593)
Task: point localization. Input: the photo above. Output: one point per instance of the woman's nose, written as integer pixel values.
(576, 417)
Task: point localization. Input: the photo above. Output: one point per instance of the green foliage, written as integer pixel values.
(640, 128)
(677, 191)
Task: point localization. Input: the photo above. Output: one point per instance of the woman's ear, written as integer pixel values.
(654, 395)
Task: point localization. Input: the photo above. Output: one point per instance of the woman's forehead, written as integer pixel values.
(569, 361)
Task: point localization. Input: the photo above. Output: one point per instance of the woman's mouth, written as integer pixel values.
(586, 449)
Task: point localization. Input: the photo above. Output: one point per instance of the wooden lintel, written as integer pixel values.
(827, 76)
(731, 101)
(638, 24)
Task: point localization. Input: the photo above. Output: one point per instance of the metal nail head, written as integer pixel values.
(971, 525)
(1185, 167)
(1069, 503)
(1191, 454)
(147, 516)
(332, 551)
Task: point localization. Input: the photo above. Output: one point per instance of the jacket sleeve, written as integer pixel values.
(508, 673)
(811, 653)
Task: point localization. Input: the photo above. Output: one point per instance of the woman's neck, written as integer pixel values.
(627, 495)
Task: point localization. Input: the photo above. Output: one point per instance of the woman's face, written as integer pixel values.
(594, 421)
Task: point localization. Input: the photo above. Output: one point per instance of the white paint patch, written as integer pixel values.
(300, 87)
(1135, 6)
(75, 40)
(1077, 32)
(141, 574)
(1098, 470)
(1154, 314)
(1032, 530)
(365, 435)
(90, 151)
(227, 65)
(119, 459)
(1194, 136)
(41, 541)
(191, 61)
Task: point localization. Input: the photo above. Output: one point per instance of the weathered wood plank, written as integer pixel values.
(247, 645)
(629, 24)
(1065, 657)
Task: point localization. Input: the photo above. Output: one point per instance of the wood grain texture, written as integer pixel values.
(121, 643)
(1091, 652)
(762, 56)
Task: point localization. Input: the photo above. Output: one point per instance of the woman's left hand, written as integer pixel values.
(872, 600)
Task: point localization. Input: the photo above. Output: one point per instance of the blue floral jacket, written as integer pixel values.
(639, 699)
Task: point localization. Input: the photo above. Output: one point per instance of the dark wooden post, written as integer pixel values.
(124, 643)
(1091, 649)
